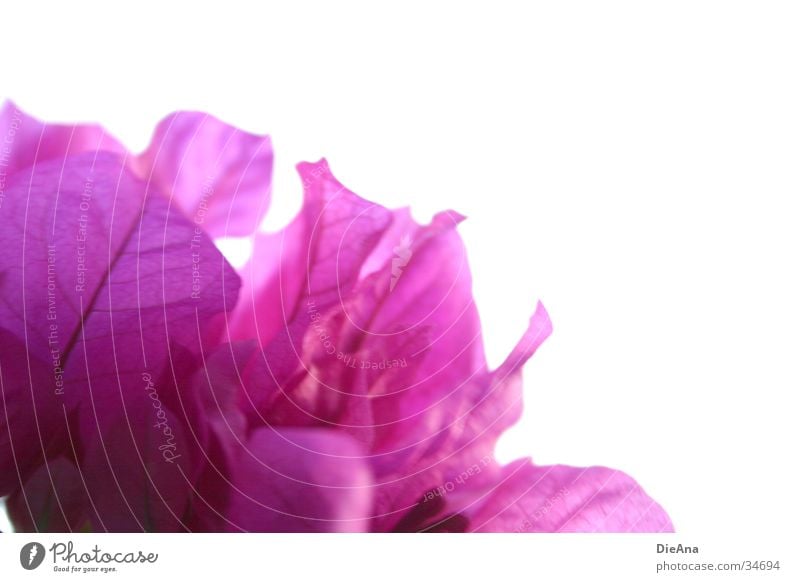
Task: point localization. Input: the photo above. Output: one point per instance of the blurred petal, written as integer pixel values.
(139, 473)
(146, 335)
(567, 499)
(301, 480)
(354, 394)
(218, 175)
(388, 349)
(216, 418)
(30, 412)
(458, 455)
(318, 258)
(54, 499)
(30, 141)
(64, 221)
(126, 285)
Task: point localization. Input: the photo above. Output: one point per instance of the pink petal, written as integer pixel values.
(216, 418)
(566, 499)
(147, 333)
(460, 451)
(30, 141)
(397, 298)
(30, 412)
(218, 175)
(136, 485)
(129, 329)
(63, 221)
(318, 258)
(301, 480)
(368, 345)
(320, 255)
(405, 352)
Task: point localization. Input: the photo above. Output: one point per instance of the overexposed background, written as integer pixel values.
(634, 165)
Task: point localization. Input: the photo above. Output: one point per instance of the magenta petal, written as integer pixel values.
(558, 498)
(467, 426)
(30, 412)
(354, 394)
(64, 221)
(271, 284)
(429, 297)
(385, 343)
(139, 475)
(218, 175)
(216, 418)
(301, 480)
(126, 285)
(54, 499)
(30, 141)
(146, 334)
(496, 401)
(317, 258)
(342, 228)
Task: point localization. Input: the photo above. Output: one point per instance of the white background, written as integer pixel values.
(632, 164)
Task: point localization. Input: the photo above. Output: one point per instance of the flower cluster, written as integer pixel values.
(336, 382)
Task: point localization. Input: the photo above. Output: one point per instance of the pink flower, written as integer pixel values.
(344, 387)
